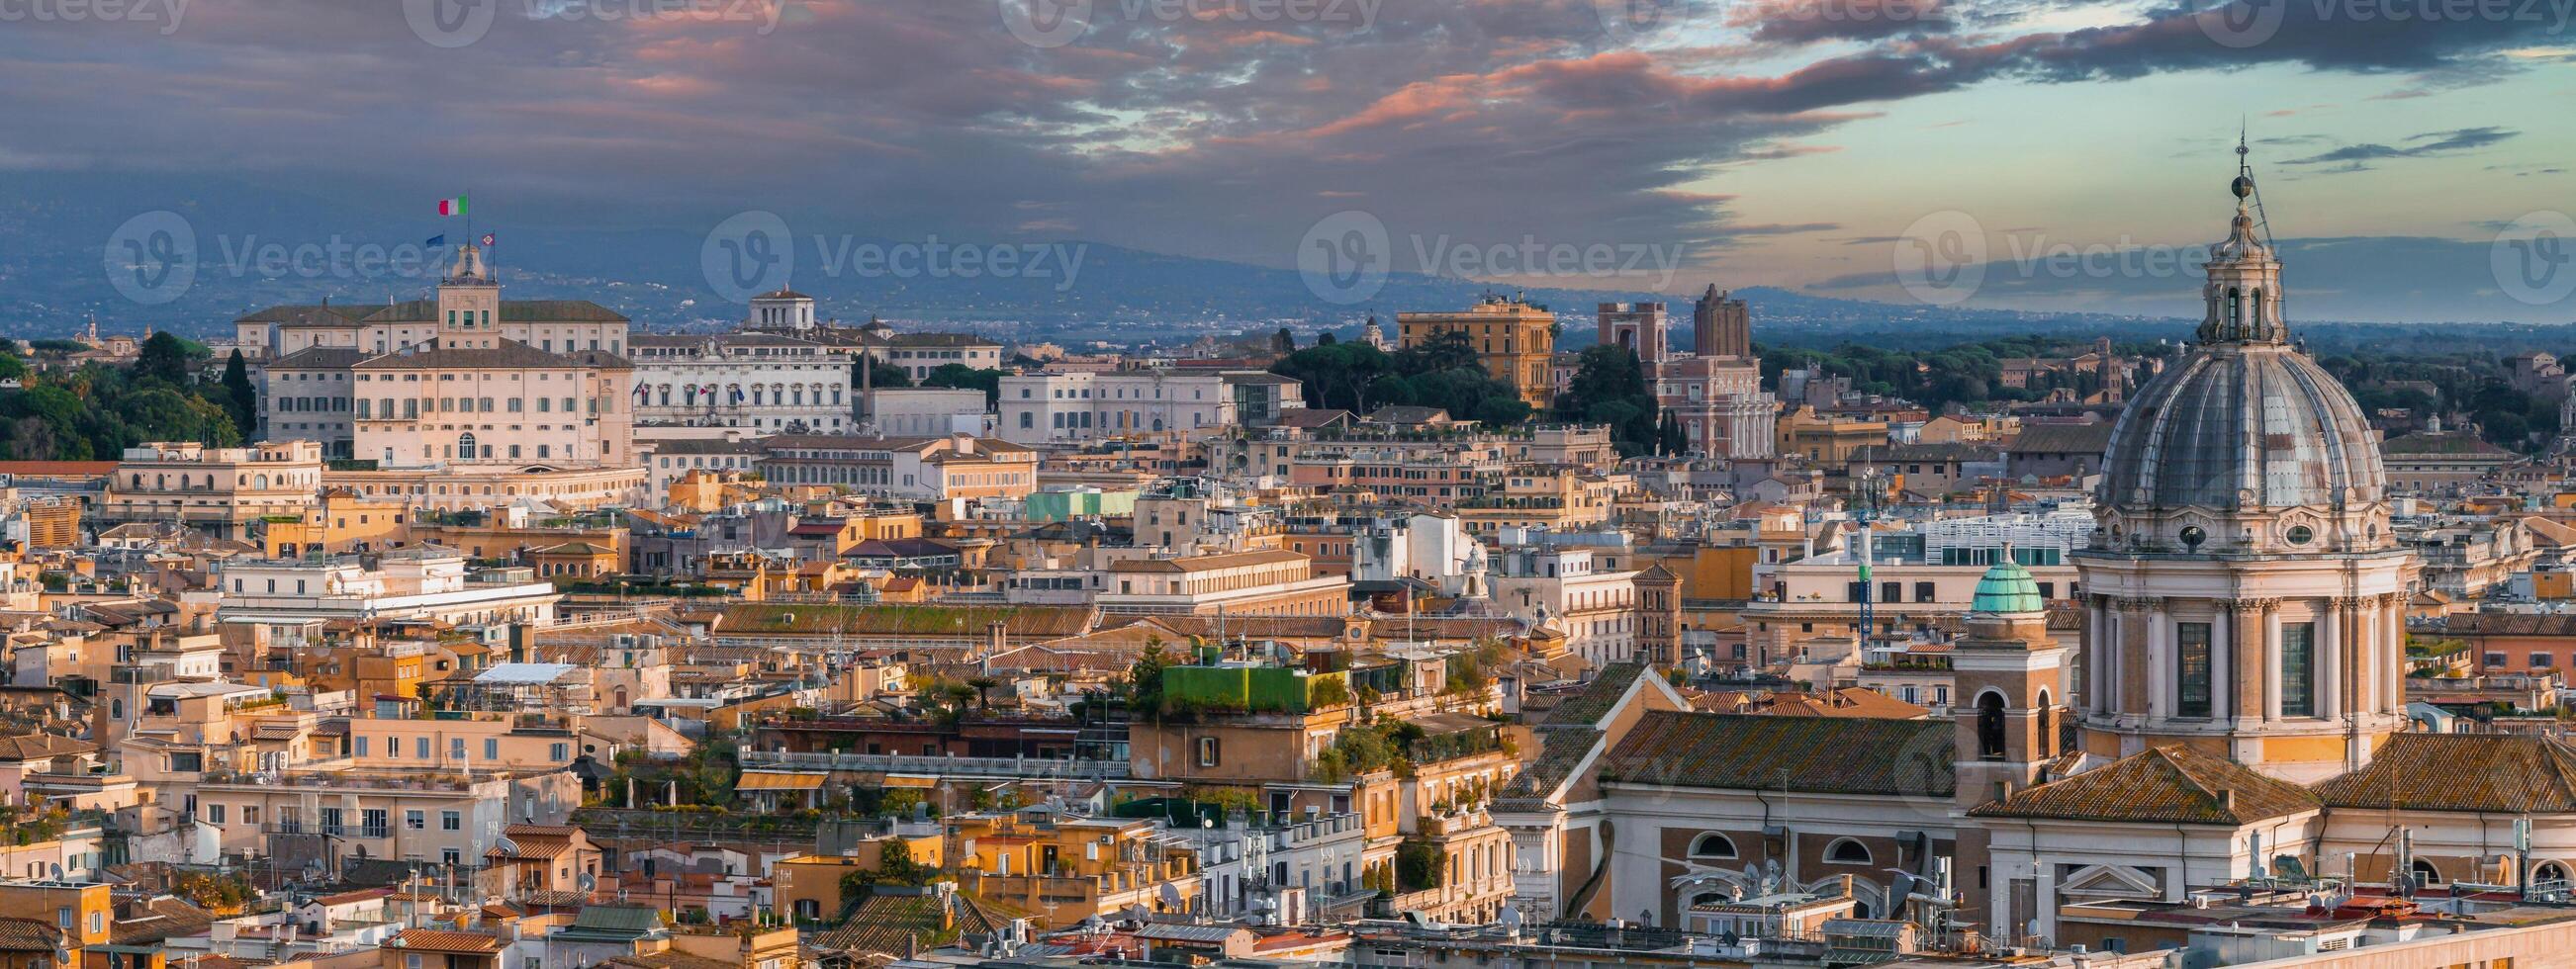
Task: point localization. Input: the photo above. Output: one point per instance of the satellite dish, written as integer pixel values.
(1511, 917)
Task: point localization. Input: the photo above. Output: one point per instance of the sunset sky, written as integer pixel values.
(1780, 143)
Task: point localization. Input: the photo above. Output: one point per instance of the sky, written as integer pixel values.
(1860, 148)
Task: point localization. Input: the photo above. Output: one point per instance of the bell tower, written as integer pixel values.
(2010, 690)
(469, 302)
(2008, 701)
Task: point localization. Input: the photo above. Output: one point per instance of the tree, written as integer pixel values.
(884, 375)
(1610, 388)
(240, 399)
(1285, 342)
(1145, 678)
(963, 377)
(166, 358)
(1669, 439)
(1325, 339)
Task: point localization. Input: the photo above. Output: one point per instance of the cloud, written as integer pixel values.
(1484, 120)
(2417, 146)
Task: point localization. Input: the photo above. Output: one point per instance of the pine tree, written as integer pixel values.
(239, 398)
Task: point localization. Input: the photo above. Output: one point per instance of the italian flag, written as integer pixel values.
(454, 206)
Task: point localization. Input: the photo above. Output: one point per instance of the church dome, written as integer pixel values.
(2007, 588)
(2244, 445)
(2242, 427)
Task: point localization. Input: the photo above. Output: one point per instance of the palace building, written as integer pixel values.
(450, 396)
(1515, 340)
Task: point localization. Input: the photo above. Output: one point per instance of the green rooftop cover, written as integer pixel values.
(2007, 588)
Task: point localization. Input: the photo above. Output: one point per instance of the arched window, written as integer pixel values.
(1845, 851)
(2425, 873)
(465, 445)
(1712, 845)
(1990, 725)
(1709, 898)
(2549, 872)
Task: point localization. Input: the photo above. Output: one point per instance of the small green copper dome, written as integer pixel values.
(2007, 588)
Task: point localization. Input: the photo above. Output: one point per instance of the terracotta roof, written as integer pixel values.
(504, 355)
(2093, 438)
(39, 746)
(2442, 442)
(1256, 627)
(902, 620)
(439, 940)
(2510, 624)
(1208, 563)
(894, 923)
(1850, 701)
(1830, 755)
(2496, 773)
(2161, 785)
(27, 935)
(1586, 709)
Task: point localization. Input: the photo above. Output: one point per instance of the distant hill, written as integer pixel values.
(260, 245)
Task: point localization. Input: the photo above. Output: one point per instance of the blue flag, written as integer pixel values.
(437, 240)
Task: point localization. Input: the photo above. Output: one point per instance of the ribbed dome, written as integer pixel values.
(2241, 426)
(2007, 588)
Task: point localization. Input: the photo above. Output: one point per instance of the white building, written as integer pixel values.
(1431, 547)
(764, 383)
(413, 583)
(1596, 605)
(307, 387)
(1075, 407)
(927, 412)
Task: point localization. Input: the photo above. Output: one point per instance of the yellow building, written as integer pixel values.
(1516, 341)
(345, 522)
(1071, 868)
(809, 886)
(1828, 440)
(86, 907)
(52, 523)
